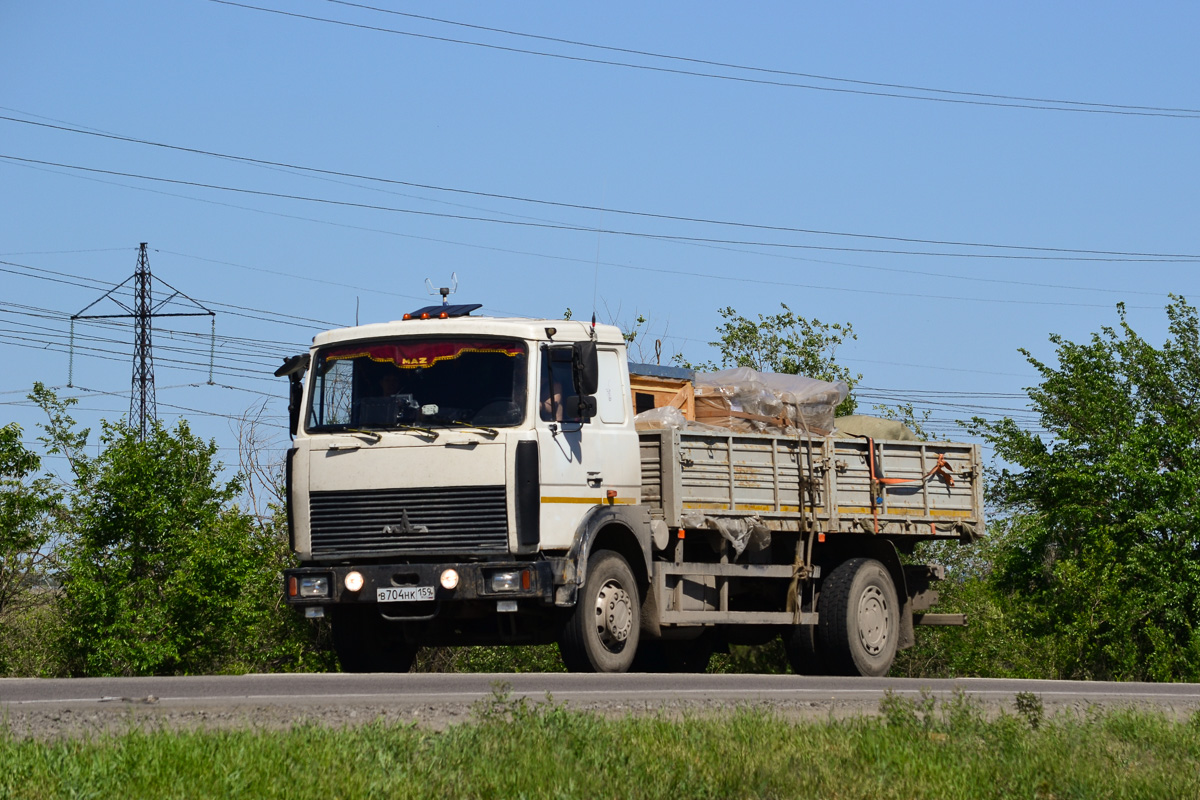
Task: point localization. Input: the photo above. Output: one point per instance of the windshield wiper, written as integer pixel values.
(462, 424)
(404, 427)
(376, 436)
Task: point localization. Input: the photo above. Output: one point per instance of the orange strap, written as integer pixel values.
(941, 469)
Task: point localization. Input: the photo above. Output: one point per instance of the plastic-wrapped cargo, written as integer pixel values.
(747, 401)
(859, 425)
(663, 417)
(671, 418)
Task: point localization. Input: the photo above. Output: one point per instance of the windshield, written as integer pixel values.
(423, 383)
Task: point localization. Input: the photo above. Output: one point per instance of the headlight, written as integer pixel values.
(506, 581)
(353, 582)
(314, 586)
(449, 579)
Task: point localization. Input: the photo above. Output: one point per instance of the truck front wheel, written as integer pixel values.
(859, 615)
(364, 642)
(601, 634)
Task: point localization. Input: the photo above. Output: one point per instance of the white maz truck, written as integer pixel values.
(464, 480)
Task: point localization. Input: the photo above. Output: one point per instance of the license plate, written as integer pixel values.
(403, 594)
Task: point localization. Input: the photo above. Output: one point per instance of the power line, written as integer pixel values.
(57, 342)
(864, 392)
(340, 284)
(167, 363)
(1116, 256)
(512, 251)
(938, 367)
(263, 362)
(939, 392)
(1088, 109)
(236, 345)
(65, 252)
(573, 206)
(569, 259)
(324, 323)
(886, 292)
(264, 357)
(90, 392)
(934, 399)
(758, 281)
(260, 359)
(924, 273)
(764, 70)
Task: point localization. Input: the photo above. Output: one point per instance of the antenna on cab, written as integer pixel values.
(444, 291)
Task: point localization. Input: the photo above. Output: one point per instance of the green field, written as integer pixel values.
(516, 749)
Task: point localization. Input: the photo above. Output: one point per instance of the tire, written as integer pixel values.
(601, 634)
(859, 615)
(365, 643)
(801, 644)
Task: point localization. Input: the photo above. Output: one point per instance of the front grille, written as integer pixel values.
(458, 519)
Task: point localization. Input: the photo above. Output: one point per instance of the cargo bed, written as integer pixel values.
(926, 490)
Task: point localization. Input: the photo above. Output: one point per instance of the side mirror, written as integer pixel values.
(293, 365)
(579, 407)
(294, 368)
(586, 368)
(295, 395)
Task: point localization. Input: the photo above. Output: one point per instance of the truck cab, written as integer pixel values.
(447, 475)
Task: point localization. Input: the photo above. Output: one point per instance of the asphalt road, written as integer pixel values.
(67, 707)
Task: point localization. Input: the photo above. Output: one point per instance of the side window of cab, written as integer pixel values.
(558, 399)
(611, 398)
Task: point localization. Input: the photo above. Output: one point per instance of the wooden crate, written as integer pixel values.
(663, 392)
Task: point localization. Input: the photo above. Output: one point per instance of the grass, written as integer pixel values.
(513, 748)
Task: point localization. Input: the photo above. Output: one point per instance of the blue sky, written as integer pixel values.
(461, 135)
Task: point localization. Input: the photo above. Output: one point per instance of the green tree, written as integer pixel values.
(999, 640)
(33, 527)
(163, 574)
(1106, 558)
(784, 343)
(27, 506)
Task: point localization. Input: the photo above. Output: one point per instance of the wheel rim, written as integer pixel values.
(873, 620)
(614, 615)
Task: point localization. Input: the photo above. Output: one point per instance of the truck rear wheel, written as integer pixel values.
(364, 642)
(601, 634)
(859, 615)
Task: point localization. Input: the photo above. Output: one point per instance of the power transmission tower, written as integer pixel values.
(143, 409)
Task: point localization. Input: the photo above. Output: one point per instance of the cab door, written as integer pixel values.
(566, 491)
(580, 462)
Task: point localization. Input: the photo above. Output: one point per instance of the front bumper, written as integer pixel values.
(536, 581)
